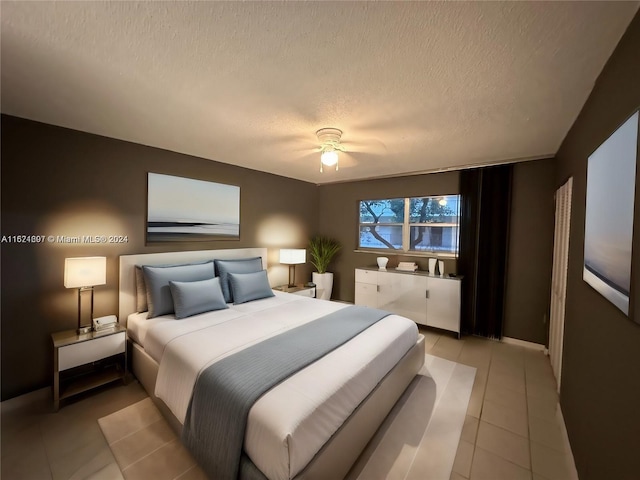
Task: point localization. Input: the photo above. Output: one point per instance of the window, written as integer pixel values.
(417, 224)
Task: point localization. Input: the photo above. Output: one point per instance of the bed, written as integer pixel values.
(316, 422)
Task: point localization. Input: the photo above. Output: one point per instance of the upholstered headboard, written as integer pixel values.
(127, 293)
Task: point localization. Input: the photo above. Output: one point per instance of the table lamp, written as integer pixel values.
(292, 257)
(84, 273)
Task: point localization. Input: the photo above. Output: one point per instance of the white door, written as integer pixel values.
(388, 291)
(443, 306)
(559, 277)
(411, 297)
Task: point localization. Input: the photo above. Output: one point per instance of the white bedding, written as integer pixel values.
(289, 424)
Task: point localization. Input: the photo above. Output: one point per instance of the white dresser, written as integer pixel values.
(426, 299)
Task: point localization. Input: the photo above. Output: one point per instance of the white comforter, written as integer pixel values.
(289, 424)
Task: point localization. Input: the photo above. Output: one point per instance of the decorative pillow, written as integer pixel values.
(250, 286)
(243, 265)
(157, 280)
(191, 298)
(141, 291)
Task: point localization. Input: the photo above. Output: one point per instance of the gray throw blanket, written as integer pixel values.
(225, 391)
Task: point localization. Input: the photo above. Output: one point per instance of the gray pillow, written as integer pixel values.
(157, 280)
(243, 265)
(141, 291)
(250, 286)
(191, 298)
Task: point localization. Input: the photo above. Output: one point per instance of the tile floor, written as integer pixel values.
(511, 429)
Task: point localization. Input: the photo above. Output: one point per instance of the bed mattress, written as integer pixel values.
(288, 425)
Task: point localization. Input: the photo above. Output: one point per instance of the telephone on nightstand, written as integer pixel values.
(103, 323)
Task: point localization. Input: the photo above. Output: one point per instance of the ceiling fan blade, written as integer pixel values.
(371, 145)
(362, 158)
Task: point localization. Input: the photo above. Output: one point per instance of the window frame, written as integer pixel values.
(406, 229)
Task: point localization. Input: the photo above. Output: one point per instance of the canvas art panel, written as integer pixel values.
(185, 209)
(608, 236)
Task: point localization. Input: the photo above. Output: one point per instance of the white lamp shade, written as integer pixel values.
(329, 157)
(293, 256)
(85, 272)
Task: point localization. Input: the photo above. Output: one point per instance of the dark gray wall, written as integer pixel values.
(600, 392)
(528, 281)
(57, 181)
(339, 219)
(530, 251)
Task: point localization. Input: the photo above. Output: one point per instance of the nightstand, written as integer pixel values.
(299, 289)
(85, 361)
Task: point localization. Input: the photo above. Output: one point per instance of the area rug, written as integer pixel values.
(418, 440)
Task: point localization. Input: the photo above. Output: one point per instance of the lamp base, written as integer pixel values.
(83, 330)
(292, 276)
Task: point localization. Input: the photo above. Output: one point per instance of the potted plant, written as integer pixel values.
(322, 250)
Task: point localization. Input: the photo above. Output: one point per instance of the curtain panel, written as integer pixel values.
(484, 245)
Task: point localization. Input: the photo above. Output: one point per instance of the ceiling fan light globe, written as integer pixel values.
(329, 158)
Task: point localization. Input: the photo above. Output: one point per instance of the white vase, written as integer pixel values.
(382, 262)
(432, 265)
(441, 267)
(324, 284)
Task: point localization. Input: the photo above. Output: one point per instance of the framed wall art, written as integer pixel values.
(185, 210)
(608, 235)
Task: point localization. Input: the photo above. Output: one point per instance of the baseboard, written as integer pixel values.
(567, 445)
(39, 396)
(522, 343)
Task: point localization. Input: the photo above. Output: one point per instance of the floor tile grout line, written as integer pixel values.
(415, 454)
(195, 465)
(475, 437)
(132, 433)
(505, 459)
(526, 391)
(484, 392)
(44, 446)
(476, 447)
(150, 453)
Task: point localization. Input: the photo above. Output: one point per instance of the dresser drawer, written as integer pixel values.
(90, 351)
(367, 276)
(366, 288)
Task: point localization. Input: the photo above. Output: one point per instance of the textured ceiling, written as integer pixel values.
(416, 86)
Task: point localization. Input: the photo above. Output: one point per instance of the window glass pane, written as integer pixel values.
(434, 238)
(442, 209)
(381, 236)
(382, 211)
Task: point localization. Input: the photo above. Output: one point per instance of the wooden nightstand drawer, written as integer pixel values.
(86, 352)
(301, 290)
(306, 292)
(87, 360)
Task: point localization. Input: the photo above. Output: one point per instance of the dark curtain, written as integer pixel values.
(484, 243)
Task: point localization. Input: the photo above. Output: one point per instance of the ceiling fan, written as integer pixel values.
(334, 151)
(330, 145)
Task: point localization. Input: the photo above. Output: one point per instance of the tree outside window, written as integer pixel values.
(428, 224)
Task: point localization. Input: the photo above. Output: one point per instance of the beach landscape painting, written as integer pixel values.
(608, 235)
(184, 210)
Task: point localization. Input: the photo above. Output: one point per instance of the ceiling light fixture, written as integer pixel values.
(329, 139)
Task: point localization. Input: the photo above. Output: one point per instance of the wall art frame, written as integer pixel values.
(183, 209)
